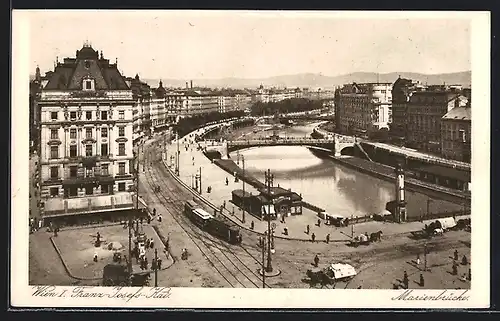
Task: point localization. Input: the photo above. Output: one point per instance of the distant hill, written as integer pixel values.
(317, 80)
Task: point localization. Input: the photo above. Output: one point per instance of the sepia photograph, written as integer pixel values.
(271, 159)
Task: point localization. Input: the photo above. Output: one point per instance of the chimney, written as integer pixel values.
(187, 86)
(191, 84)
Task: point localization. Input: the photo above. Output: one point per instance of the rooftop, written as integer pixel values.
(459, 113)
(70, 74)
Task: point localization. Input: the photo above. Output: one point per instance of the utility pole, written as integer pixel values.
(263, 263)
(156, 268)
(269, 180)
(425, 257)
(243, 180)
(178, 154)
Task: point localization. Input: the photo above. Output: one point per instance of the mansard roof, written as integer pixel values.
(87, 64)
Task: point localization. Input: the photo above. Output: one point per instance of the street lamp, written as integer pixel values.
(244, 195)
(429, 201)
(269, 182)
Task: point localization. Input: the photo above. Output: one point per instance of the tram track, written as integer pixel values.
(217, 253)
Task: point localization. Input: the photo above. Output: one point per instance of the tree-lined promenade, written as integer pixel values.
(285, 106)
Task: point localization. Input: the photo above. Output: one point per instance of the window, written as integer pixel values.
(88, 150)
(121, 187)
(72, 133)
(121, 131)
(104, 149)
(89, 190)
(73, 171)
(104, 132)
(54, 172)
(72, 151)
(88, 85)
(54, 134)
(54, 191)
(54, 152)
(121, 168)
(72, 115)
(104, 115)
(104, 189)
(88, 115)
(121, 149)
(73, 191)
(121, 114)
(105, 169)
(53, 115)
(88, 132)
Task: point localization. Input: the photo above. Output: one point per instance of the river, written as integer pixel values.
(324, 183)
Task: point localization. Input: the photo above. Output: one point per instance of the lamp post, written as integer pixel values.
(200, 180)
(177, 158)
(429, 201)
(269, 182)
(243, 180)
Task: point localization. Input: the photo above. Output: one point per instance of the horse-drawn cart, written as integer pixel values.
(331, 275)
(364, 239)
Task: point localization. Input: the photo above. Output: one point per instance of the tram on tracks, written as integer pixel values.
(217, 226)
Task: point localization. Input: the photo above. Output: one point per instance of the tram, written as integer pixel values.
(217, 226)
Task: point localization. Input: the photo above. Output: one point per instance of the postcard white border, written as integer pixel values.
(258, 298)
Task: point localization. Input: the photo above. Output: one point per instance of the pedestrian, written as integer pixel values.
(95, 256)
(455, 255)
(152, 243)
(464, 260)
(145, 263)
(469, 275)
(153, 265)
(159, 218)
(313, 237)
(141, 219)
(418, 259)
(149, 219)
(316, 260)
(405, 280)
(147, 243)
(307, 229)
(319, 223)
(422, 281)
(252, 225)
(327, 238)
(158, 263)
(286, 230)
(454, 268)
(154, 211)
(227, 181)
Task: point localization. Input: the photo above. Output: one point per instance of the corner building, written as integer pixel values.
(86, 137)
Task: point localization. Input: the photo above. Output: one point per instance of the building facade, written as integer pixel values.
(424, 111)
(86, 129)
(456, 134)
(361, 109)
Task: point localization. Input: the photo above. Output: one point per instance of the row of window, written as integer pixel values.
(73, 150)
(54, 115)
(73, 171)
(89, 190)
(54, 133)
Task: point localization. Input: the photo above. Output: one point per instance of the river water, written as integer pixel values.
(324, 183)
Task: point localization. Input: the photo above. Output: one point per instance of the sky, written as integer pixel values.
(194, 45)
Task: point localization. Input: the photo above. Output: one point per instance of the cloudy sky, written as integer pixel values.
(185, 45)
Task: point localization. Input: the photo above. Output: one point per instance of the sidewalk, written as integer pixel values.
(212, 175)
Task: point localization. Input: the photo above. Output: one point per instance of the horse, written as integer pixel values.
(376, 237)
(438, 231)
(319, 277)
